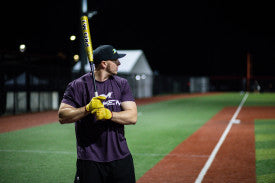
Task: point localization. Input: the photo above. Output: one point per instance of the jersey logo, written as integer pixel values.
(109, 102)
(109, 95)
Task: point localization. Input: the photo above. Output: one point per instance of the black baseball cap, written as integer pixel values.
(106, 52)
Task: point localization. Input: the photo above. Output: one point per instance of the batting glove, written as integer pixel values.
(95, 103)
(102, 114)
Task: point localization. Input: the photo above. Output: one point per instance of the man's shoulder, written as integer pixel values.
(81, 80)
(120, 79)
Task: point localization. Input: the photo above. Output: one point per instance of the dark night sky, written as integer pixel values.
(183, 37)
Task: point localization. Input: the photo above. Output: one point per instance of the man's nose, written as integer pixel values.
(118, 63)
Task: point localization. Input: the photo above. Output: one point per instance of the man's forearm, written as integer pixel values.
(128, 117)
(70, 114)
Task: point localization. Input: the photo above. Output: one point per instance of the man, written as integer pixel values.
(102, 151)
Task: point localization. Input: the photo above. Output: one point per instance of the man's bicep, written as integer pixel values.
(129, 110)
(129, 105)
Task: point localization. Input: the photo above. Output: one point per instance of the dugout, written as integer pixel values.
(31, 82)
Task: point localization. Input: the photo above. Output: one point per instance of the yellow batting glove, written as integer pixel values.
(102, 114)
(95, 103)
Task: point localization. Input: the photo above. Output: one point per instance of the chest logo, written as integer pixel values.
(109, 95)
(108, 100)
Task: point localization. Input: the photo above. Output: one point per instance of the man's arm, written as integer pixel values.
(128, 115)
(69, 114)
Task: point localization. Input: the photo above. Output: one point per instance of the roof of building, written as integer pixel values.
(128, 62)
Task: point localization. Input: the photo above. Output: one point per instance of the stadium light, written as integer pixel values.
(137, 77)
(22, 48)
(76, 58)
(73, 37)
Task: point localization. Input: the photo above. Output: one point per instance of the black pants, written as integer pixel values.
(118, 171)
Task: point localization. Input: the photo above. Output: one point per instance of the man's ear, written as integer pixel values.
(103, 64)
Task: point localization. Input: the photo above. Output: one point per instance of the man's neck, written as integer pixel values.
(101, 75)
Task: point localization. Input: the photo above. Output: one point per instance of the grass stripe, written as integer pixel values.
(74, 153)
(265, 150)
(37, 151)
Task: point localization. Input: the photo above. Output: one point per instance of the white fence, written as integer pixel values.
(39, 101)
(199, 84)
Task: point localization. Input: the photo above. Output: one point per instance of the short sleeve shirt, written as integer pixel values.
(100, 141)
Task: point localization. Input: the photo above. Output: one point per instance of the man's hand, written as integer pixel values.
(102, 113)
(95, 103)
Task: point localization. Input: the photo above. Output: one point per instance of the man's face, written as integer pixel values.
(112, 66)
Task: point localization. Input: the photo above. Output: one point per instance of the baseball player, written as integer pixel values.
(102, 151)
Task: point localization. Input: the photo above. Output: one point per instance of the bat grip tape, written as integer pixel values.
(93, 76)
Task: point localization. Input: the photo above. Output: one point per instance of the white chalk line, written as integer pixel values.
(221, 140)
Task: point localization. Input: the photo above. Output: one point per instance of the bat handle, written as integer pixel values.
(93, 76)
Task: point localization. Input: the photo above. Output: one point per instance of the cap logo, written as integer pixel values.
(114, 51)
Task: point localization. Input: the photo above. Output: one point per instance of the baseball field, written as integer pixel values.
(214, 137)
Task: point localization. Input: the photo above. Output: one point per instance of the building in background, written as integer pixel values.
(136, 69)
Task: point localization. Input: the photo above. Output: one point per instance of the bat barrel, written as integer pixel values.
(87, 37)
(88, 46)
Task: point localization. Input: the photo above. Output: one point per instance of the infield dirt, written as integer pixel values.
(235, 161)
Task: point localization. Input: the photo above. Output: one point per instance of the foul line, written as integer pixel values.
(216, 149)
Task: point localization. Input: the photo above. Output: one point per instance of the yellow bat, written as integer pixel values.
(87, 37)
(88, 46)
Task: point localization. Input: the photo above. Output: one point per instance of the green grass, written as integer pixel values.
(41, 154)
(265, 150)
(47, 153)
(260, 99)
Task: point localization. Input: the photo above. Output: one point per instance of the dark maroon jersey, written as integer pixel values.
(101, 141)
